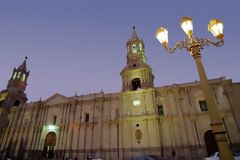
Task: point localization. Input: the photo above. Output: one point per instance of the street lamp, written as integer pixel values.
(194, 45)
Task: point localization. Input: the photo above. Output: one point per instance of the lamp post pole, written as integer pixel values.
(216, 123)
(194, 45)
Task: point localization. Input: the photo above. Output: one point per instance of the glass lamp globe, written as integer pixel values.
(162, 35)
(187, 25)
(215, 26)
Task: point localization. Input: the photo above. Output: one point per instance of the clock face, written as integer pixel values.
(134, 48)
(136, 102)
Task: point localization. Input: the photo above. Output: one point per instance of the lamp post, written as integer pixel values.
(194, 45)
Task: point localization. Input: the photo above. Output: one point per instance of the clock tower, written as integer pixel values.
(137, 100)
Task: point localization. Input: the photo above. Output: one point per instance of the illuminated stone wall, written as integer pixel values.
(117, 132)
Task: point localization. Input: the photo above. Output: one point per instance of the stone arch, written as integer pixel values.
(17, 103)
(210, 143)
(136, 83)
(49, 144)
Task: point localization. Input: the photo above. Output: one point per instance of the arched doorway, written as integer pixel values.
(50, 142)
(136, 83)
(210, 142)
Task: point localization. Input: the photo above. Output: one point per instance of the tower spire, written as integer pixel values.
(134, 34)
(16, 86)
(23, 66)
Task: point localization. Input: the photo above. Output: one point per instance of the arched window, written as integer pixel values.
(14, 75)
(16, 103)
(19, 75)
(136, 83)
(160, 110)
(134, 48)
(86, 118)
(140, 46)
(23, 77)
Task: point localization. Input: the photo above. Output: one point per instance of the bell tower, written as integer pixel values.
(14, 94)
(137, 99)
(137, 74)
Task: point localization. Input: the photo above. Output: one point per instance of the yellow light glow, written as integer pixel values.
(19, 75)
(23, 77)
(15, 74)
(215, 26)
(52, 127)
(162, 35)
(187, 25)
(136, 102)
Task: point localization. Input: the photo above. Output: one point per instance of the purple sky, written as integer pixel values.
(80, 46)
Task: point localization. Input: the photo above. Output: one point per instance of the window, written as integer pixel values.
(203, 105)
(17, 103)
(23, 77)
(15, 74)
(136, 83)
(134, 48)
(140, 46)
(54, 120)
(86, 117)
(19, 75)
(160, 110)
(144, 59)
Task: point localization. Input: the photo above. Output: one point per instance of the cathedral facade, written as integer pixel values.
(168, 121)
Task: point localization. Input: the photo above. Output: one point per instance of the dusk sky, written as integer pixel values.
(80, 46)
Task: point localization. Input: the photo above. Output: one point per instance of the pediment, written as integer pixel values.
(56, 99)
